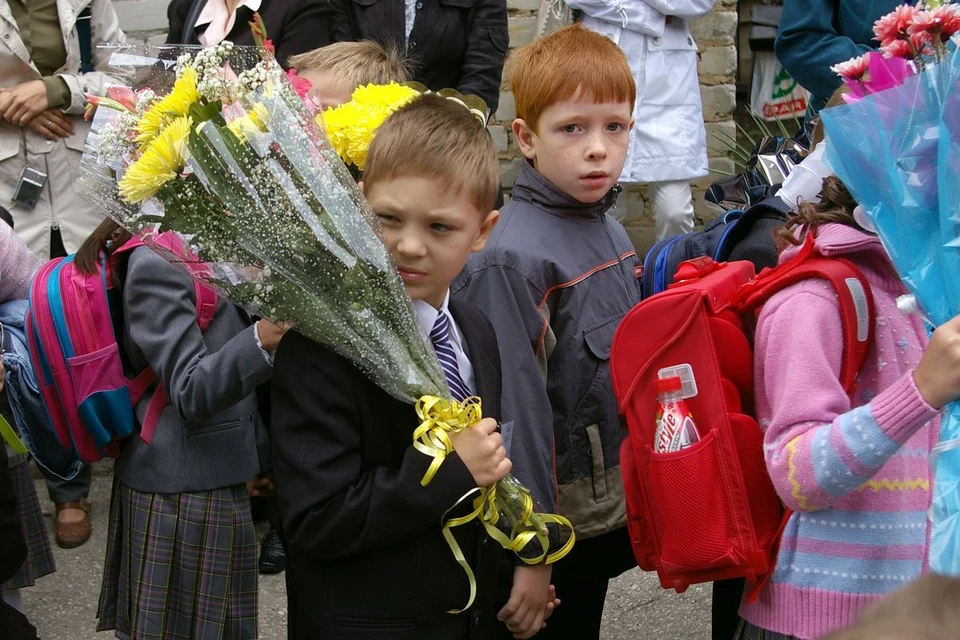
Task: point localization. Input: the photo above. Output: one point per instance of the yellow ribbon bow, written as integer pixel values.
(439, 417)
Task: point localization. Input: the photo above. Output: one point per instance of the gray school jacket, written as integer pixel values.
(555, 279)
(210, 435)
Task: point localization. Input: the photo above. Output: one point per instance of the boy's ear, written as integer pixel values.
(524, 136)
(633, 122)
(486, 227)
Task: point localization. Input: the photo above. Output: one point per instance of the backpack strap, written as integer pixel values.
(206, 302)
(853, 294)
(856, 311)
(85, 38)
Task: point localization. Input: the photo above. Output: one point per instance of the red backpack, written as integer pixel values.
(710, 512)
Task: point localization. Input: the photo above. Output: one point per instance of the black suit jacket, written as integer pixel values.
(294, 26)
(455, 44)
(366, 554)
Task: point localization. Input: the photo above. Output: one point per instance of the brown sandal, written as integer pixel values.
(73, 534)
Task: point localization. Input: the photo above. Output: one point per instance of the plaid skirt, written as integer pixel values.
(180, 566)
(748, 631)
(39, 560)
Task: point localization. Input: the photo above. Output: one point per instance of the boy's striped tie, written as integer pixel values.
(440, 336)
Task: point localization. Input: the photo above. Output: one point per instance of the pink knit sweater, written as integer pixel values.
(856, 473)
(17, 265)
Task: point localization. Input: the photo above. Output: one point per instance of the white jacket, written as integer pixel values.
(19, 146)
(668, 141)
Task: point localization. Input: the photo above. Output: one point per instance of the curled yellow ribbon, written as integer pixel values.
(438, 418)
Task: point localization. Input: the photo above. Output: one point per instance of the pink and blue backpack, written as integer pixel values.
(76, 358)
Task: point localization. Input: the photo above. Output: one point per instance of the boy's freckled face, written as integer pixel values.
(579, 146)
(327, 90)
(430, 230)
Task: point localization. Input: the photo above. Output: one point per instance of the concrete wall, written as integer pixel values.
(145, 20)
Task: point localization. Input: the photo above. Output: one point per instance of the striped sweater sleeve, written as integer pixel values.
(817, 447)
(17, 265)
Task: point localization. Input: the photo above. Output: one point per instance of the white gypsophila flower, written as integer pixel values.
(182, 63)
(144, 100)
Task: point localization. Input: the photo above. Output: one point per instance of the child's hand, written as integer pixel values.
(270, 333)
(938, 375)
(532, 601)
(481, 449)
(262, 485)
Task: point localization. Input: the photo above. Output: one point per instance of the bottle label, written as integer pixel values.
(675, 428)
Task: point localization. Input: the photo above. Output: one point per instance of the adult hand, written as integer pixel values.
(24, 101)
(52, 124)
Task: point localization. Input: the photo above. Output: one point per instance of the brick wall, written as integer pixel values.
(145, 20)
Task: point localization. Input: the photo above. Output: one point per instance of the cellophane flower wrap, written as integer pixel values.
(897, 149)
(212, 158)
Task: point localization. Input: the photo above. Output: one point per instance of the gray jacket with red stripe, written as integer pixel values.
(555, 279)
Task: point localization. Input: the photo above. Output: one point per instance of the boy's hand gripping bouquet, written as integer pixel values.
(896, 146)
(214, 150)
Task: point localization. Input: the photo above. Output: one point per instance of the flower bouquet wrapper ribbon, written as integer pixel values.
(506, 510)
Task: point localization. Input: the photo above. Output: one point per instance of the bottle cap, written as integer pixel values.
(666, 385)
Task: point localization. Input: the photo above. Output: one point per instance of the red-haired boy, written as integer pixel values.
(556, 277)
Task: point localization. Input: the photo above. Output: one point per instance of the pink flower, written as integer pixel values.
(949, 15)
(894, 25)
(936, 24)
(922, 44)
(852, 69)
(123, 95)
(897, 49)
(92, 103)
(301, 85)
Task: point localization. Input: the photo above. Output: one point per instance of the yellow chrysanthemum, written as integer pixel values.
(384, 94)
(173, 105)
(161, 161)
(351, 127)
(251, 123)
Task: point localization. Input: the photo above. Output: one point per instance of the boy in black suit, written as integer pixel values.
(366, 549)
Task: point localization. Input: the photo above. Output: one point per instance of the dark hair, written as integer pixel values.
(104, 239)
(836, 205)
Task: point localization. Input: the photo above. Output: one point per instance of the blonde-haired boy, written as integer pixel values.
(336, 70)
(555, 278)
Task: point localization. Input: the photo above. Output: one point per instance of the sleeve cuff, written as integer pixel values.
(900, 409)
(267, 354)
(58, 93)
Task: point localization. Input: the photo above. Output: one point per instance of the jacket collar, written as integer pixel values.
(534, 188)
(67, 11)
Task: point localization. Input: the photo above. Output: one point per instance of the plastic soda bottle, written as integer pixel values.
(675, 427)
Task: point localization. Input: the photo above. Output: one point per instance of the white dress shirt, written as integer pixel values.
(427, 316)
(220, 19)
(409, 17)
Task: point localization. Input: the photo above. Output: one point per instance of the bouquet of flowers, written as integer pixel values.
(896, 145)
(214, 160)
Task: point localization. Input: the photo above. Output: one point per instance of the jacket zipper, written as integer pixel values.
(623, 281)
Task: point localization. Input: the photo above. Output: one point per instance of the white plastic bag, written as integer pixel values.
(774, 94)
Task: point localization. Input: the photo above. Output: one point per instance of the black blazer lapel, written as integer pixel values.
(483, 351)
